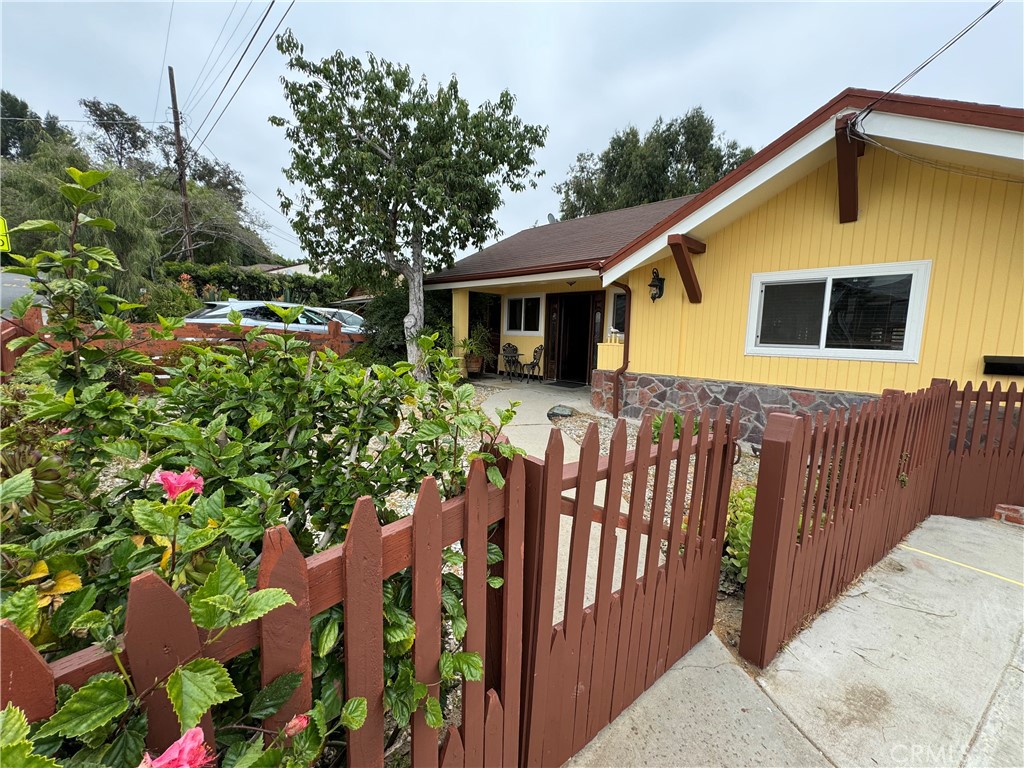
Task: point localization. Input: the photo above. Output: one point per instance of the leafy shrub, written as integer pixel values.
(738, 528)
(252, 284)
(677, 419)
(167, 299)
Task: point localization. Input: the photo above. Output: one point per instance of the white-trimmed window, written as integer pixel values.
(522, 315)
(872, 312)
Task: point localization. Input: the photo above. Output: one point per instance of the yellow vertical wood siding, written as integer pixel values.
(970, 228)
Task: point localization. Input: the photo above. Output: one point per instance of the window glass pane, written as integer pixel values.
(619, 312)
(515, 314)
(791, 313)
(868, 312)
(531, 314)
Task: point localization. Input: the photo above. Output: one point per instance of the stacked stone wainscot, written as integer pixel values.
(643, 392)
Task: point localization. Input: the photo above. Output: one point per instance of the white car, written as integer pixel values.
(350, 321)
(258, 313)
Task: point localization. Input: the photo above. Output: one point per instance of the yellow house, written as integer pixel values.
(877, 244)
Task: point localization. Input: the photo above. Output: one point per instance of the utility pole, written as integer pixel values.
(180, 157)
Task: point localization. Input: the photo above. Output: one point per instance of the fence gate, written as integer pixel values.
(581, 671)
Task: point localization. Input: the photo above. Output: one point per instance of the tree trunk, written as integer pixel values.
(413, 322)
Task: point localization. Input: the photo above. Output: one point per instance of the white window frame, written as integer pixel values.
(507, 314)
(920, 272)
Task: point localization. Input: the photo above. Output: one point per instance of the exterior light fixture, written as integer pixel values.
(657, 286)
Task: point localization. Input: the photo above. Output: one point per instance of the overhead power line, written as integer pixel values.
(913, 73)
(238, 63)
(163, 61)
(202, 70)
(102, 122)
(210, 79)
(246, 76)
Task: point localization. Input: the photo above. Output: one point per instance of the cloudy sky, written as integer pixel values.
(583, 69)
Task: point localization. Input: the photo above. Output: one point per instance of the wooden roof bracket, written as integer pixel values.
(683, 248)
(848, 149)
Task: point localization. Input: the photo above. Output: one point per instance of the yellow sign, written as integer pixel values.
(5, 239)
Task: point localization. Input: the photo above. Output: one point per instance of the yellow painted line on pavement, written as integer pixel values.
(962, 565)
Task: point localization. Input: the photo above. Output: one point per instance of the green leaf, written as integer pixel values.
(16, 487)
(99, 223)
(469, 665)
(328, 637)
(287, 314)
(92, 706)
(432, 712)
(269, 700)
(36, 225)
(21, 607)
(128, 746)
(151, 517)
(132, 356)
(74, 605)
(198, 539)
(494, 554)
(242, 526)
(256, 483)
(121, 330)
(494, 475)
(196, 687)
(21, 305)
(13, 725)
(89, 620)
(495, 582)
(20, 755)
(78, 195)
(87, 179)
(353, 714)
(126, 449)
(429, 431)
(260, 603)
(225, 580)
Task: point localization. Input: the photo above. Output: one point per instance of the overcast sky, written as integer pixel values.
(583, 69)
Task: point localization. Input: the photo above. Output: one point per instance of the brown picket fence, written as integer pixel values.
(837, 491)
(582, 671)
(159, 633)
(547, 689)
(983, 464)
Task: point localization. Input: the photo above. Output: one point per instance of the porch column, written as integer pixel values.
(460, 322)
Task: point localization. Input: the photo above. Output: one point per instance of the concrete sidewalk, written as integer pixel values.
(920, 663)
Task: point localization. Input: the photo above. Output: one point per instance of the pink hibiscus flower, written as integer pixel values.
(296, 725)
(190, 751)
(175, 483)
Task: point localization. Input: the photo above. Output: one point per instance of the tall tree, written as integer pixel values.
(679, 157)
(119, 137)
(21, 129)
(392, 174)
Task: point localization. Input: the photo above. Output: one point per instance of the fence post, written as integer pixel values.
(776, 512)
(26, 681)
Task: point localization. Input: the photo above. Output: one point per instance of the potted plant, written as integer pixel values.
(476, 349)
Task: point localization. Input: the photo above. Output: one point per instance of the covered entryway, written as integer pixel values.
(572, 332)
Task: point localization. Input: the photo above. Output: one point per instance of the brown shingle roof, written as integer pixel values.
(571, 244)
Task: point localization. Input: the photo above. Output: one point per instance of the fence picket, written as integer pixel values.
(475, 597)
(512, 614)
(606, 626)
(493, 725)
(284, 632)
(27, 680)
(453, 755)
(426, 609)
(364, 607)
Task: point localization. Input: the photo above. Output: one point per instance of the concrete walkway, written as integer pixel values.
(920, 663)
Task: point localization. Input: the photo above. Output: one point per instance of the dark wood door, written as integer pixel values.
(571, 335)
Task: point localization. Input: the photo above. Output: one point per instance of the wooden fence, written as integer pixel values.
(582, 671)
(983, 463)
(835, 493)
(547, 688)
(838, 491)
(141, 339)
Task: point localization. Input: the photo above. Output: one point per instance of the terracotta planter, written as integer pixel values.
(474, 363)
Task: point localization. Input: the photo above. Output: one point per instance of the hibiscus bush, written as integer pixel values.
(182, 480)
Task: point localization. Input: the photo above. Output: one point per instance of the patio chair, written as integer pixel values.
(534, 365)
(513, 365)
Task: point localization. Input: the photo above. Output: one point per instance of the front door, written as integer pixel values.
(571, 335)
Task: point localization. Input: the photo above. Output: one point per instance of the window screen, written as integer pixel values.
(868, 312)
(531, 314)
(791, 313)
(515, 314)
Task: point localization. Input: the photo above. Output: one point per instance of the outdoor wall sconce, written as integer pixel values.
(657, 286)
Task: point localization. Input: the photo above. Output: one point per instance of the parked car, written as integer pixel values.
(350, 321)
(258, 313)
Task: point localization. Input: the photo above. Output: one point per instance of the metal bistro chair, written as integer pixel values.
(510, 354)
(534, 365)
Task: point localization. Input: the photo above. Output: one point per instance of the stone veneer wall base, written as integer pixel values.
(643, 392)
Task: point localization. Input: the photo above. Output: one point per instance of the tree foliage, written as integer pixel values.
(392, 176)
(120, 138)
(22, 130)
(681, 156)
